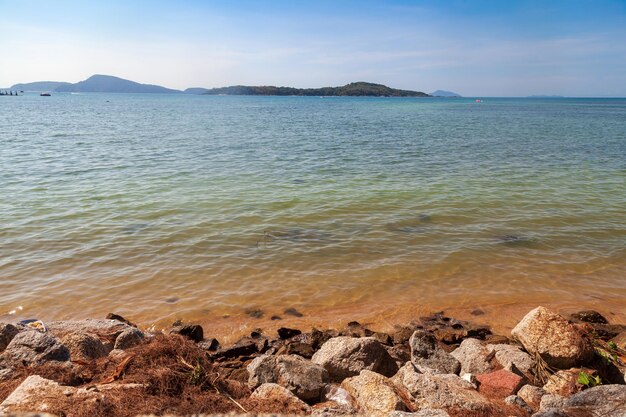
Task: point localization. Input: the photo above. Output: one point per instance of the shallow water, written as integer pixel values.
(162, 207)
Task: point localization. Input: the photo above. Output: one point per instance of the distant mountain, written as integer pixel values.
(353, 89)
(110, 84)
(444, 93)
(39, 86)
(545, 96)
(196, 90)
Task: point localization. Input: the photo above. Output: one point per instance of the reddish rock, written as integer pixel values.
(499, 384)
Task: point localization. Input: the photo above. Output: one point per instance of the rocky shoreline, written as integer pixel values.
(549, 366)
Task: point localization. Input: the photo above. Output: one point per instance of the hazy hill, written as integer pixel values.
(353, 89)
(444, 93)
(39, 86)
(196, 90)
(110, 84)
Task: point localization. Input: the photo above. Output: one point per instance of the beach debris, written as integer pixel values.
(34, 324)
(346, 356)
(171, 300)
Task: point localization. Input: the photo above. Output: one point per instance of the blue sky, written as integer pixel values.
(476, 48)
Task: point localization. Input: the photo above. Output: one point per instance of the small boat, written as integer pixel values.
(45, 94)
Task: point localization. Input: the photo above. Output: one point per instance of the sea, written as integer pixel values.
(226, 209)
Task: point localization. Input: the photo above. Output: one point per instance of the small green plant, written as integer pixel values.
(588, 380)
(612, 345)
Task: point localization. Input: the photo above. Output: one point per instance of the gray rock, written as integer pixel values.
(445, 391)
(274, 393)
(190, 331)
(32, 347)
(474, 357)
(34, 393)
(128, 338)
(531, 395)
(301, 377)
(551, 401)
(7, 333)
(105, 330)
(374, 394)
(346, 356)
(6, 374)
(518, 402)
(426, 412)
(548, 334)
(603, 400)
(84, 347)
(426, 353)
(551, 412)
(511, 355)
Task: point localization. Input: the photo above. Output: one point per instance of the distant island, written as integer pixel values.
(109, 84)
(358, 89)
(444, 93)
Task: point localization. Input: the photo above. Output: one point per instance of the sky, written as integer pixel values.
(472, 47)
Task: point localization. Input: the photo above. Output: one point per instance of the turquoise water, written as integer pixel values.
(208, 205)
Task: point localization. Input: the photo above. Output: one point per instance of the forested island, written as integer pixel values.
(352, 89)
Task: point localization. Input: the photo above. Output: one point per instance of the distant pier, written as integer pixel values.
(8, 93)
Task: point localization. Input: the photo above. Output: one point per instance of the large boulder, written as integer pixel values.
(437, 391)
(84, 347)
(301, 377)
(374, 394)
(549, 335)
(106, 330)
(130, 337)
(35, 393)
(426, 353)
(7, 333)
(269, 394)
(603, 400)
(346, 356)
(473, 356)
(32, 347)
